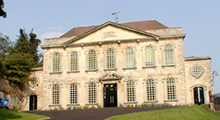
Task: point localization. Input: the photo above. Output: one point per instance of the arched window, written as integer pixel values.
(92, 93)
(56, 94)
(74, 61)
(110, 58)
(169, 58)
(150, 90)
(171, 89)
(129, 58)
(73, 93)
(149, 56)
(92, 60)
(131, 91)
(56, 62)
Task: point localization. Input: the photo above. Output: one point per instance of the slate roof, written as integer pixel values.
(140, 25)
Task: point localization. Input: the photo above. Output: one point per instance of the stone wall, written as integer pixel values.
(13, 93)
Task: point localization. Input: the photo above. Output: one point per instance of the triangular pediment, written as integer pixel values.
(110, 31)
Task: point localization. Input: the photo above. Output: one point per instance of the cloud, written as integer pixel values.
(50, 35)
(55, 28)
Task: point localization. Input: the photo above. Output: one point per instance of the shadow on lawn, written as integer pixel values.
(8, 114)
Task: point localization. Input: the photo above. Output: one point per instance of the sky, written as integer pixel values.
(199, 19)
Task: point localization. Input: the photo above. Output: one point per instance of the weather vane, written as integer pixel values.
(116, 15)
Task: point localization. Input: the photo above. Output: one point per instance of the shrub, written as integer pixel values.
(75, 107)
(142, 105)
(60, 108)
(136, 105)
(68, 108)
(92, 107)
(86, 107)
(99, 106)
(55, 108)
(121, 105)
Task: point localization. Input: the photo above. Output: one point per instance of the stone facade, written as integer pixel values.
(187, 80)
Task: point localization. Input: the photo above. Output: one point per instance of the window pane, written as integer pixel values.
(131, 91)
(92, 93)
(197, 71)
(110, 59)
(169, 59)
(55, 94)
(171, 89)
(150, 90)
(129, 58)
(73, 94)
(92, 60)
(56, 62)
(74, 61)
(149, 56)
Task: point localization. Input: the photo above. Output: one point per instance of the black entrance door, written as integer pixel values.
(198, 95)
(33, 102)
(110, 95)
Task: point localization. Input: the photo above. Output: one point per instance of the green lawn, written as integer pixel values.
(15, 115)
(181, 113)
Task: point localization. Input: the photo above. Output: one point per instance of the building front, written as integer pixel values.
(119, 64)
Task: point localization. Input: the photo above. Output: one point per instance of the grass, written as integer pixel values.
(181, 113)
(16, 115)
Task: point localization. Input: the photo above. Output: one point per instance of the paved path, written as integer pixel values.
(92, 114)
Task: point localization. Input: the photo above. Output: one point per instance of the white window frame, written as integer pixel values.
(73, 92)
(150, 94)
(149, 58)
(92, 93)
(168, 55)
(129, 58)
(56, 61)
(111, 62)
(55, 94)
(171, 89)
(93, 65)
(130, 91)
(74, 61)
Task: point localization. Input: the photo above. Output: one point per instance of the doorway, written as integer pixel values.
(33, 102)
(110, 95)
(199, 95)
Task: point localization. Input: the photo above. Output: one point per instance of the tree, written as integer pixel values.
(34, 43)
(27, 44)
(2, 12)
(22, 58)
(5, 46)
(18, 67)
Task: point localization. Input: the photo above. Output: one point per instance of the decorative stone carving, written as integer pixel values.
(196, 71)
(110, 76)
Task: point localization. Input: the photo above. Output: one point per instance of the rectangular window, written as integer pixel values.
(150, 90)
(73, 94)
(92, 93)
(74, 61)
(171, 89)
(55, 94)
(110, 59)
(131, 91)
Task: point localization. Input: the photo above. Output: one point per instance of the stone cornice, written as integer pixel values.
(118, 41)
(197, 58)
(173, 36)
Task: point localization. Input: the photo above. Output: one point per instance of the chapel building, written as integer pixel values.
(119, 64)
